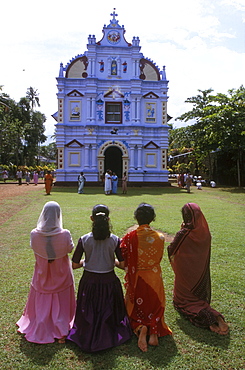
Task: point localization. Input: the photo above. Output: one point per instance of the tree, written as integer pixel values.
(33, 97)
(219, 127)
(49, 152)
(34, 136)
(3, 100)
(21, 129)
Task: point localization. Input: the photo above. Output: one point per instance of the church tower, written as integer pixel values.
(112, 112)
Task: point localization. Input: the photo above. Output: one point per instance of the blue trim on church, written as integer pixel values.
(112, 111)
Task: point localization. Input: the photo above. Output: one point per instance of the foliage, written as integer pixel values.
(21, 129)
(33, 97)
(49, 151)
(12, 169)
(189, 348)
(219, 126)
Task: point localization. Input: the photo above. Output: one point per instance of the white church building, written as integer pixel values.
(112, 113)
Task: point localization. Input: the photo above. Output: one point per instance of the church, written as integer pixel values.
(112, 113)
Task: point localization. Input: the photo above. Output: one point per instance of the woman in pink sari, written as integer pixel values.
(50, 308)
(189, 255)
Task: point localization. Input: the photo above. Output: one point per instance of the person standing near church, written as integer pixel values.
(48, 180)
(19, 176)
(114, 182)
(108, 182)
(81, 181)
(188, 182)
(35, 177)
(124, 183)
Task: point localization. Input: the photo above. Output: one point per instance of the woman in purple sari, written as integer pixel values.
(189, 255)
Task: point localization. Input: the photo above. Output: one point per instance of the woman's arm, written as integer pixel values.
(120, 265)
(77, 262)
(77, 265)
(119, 261)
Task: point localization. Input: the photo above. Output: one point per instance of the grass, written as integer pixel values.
(189, 347)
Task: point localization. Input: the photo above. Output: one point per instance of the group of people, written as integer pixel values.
(101, 317)
(29, 176)
(111, 183)
(185, 180)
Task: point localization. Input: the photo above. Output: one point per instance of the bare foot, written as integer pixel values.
(224, 328)
(153, 341)
(62, 340)
(215, 328)
(142, 343)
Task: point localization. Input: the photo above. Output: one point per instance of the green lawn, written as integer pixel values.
(189, 347)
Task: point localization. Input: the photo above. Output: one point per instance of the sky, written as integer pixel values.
(200, 43)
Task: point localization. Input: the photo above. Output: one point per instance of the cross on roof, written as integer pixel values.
(114, 14)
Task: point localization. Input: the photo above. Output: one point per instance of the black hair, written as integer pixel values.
(144, 214)
(101, 227)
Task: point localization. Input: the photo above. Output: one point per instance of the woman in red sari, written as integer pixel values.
(189, 255)
(142, 250)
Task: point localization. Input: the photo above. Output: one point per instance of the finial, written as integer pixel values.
(61, 70)
(114, 14)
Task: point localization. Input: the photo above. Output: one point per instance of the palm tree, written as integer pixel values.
(32, 96)
(3, 100)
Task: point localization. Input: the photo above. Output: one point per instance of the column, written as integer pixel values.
(94, 156)
(138, 110)
(88, 109)
(93, 67)
(139, 157)
(86, 156)
(131, 161)
(93, 109)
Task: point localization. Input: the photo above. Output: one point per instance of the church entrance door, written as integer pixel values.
(113, 160)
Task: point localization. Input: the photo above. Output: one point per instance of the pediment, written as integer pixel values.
(74, 94)
(74, 144)
(55, 116)
(115, 93)
(151, 145)
(151, 95)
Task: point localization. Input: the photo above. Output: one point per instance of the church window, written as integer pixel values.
(113, 112)
(114, 68)
(150, 112)
(75, 110)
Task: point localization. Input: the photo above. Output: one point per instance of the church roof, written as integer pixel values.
(113, 34)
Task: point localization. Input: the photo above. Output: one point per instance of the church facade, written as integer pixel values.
(112, 113)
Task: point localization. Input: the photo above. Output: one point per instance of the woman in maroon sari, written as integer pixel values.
(189, 255)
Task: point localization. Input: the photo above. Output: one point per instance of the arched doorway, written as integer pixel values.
(113, 160)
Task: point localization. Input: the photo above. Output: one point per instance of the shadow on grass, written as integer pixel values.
(203, 335)
(39, 354)
(159, 356)
(233, 190)
(132, 191)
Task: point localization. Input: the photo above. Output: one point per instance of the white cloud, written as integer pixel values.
(200, 43)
